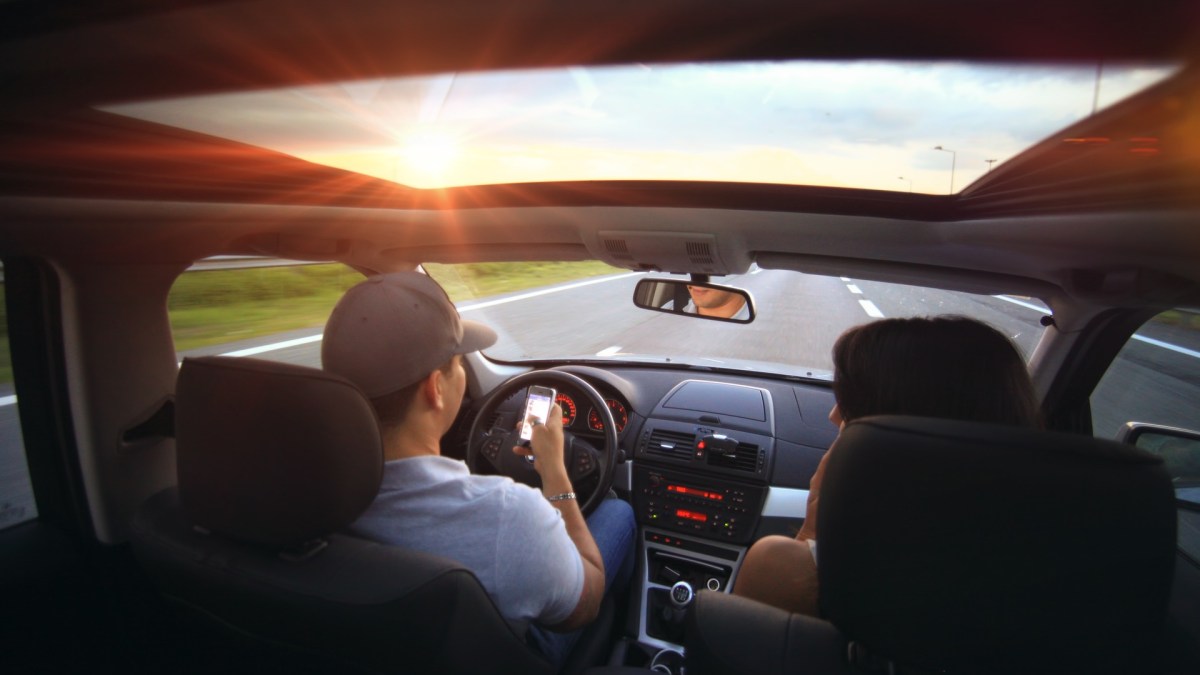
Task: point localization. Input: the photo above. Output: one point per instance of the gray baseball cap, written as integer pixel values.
(394, 329)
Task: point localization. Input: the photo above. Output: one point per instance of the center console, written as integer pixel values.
(698, 488)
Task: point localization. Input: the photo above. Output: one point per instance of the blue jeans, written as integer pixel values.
(613, 527)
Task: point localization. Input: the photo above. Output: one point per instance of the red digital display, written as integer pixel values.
(691, 515)
(693, 492)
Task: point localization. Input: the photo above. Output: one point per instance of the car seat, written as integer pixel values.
(272, 461)
(957, 547)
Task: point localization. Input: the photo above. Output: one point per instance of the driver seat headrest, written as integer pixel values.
(966, 547)
(272, 453)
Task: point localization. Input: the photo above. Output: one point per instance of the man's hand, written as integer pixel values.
(546, 446)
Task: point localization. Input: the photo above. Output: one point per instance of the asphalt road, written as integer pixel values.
(799, 316)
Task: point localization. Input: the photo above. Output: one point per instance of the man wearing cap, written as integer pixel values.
(400, 339)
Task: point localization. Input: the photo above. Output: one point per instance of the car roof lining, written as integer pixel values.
(224, 45)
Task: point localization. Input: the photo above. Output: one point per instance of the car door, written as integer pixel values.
(1150, 394)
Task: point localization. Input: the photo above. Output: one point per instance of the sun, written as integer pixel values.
(430, 152)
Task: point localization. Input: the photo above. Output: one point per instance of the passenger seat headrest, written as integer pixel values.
(273, 453)
(982, 548)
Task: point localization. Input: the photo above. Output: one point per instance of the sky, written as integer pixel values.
(863, 124)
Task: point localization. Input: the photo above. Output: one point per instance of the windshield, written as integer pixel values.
(584, 311)
(910, 127)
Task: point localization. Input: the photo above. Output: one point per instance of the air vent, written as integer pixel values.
(699, 252)
(674, 444)
(618, 249)
(746, 459)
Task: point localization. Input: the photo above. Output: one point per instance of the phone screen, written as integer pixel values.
(537, 406)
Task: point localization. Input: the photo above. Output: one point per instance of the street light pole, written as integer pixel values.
(909, 182)
(990, 162)
(953, 163)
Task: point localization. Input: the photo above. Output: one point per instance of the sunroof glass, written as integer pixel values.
(910, 127)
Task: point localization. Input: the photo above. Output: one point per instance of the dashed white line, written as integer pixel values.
(870, 308)
(845, 278)
(609, 351)
(7, 400)
(854, 289)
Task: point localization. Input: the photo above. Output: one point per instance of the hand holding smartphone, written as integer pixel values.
(537, 409)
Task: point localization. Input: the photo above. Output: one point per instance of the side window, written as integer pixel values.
(16, 492)
(1156, 380)
(265, 308)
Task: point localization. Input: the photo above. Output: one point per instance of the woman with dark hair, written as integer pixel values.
(949, 367)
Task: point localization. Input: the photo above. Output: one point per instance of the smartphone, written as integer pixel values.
(537, 407)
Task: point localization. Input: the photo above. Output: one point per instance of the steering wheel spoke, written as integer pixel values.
(494, 443)
(584, 460)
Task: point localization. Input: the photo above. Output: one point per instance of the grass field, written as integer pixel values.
(219, 306)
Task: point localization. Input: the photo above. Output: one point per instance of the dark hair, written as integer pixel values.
(391, 408)
(950, 366)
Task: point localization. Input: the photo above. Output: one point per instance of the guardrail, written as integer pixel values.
(234, 262)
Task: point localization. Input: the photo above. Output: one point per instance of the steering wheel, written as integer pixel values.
(494, 445)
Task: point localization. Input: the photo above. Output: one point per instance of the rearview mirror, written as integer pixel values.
(701, 301)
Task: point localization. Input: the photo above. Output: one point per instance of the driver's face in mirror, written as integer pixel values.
(714, 302)
(709, 301)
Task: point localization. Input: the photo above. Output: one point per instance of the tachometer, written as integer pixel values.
(620, 416)
(568, 408)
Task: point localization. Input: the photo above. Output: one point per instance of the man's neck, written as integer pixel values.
(408, 440)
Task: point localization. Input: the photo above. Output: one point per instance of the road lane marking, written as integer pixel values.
(1167, 345)
(609, 351)
(1140, 338)
(854, 289)
(251, 351)
(845, 278)
(870, 308)
(1022, 303)
(546, 291)
(277, 345)
(7, 400)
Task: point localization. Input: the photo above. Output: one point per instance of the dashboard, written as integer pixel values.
(713, 462)
(751, 438)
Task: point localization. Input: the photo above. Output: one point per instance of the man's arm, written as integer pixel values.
(547, 447)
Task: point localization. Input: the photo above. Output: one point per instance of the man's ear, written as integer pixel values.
(432, 390)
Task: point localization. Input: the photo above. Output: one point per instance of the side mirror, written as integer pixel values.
(1179, 449)
(700, 301)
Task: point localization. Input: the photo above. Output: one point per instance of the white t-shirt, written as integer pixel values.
(506, 533)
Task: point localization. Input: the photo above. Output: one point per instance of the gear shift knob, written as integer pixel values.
(682, 594)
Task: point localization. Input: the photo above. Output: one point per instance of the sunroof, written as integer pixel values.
(920, 127)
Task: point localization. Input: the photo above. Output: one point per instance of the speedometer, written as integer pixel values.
(620, 416)
(568, 408)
